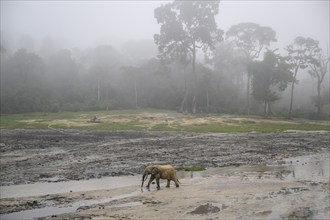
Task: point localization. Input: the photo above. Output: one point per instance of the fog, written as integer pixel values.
(129, 27)
(81, 23)
(88, 23)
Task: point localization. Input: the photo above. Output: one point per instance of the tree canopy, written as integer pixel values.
(300, 52)
(187, 26)
(270, 76)
(250, 39)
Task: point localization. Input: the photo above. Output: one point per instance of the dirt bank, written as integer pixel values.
(227, 189)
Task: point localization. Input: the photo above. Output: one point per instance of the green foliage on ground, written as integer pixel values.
(156, 120)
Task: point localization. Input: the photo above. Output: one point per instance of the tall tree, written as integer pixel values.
(269, 77)
(187, 26)
(300, 52)
(318, 69)
(250, 38)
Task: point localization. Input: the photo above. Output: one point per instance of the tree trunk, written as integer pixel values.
(183, 106)
(291, 101)
(207, 100)
(248, 94)
(194, 78)
(269, 110)
(136, 94)
(194, 105)
(292, 90)
(98, 90)
(319, 97)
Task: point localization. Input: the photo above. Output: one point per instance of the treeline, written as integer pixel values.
(99, 79)
(240, 75)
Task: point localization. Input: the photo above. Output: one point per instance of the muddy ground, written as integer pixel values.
(33, 156)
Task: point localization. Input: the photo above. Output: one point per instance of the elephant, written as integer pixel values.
(160, 172)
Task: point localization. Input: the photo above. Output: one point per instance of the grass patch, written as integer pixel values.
(115, 126)
(164, 127)
(156, 120)
(301, 213)
(255, 127)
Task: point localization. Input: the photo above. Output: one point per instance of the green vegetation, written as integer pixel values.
(155, 120)
(259, 127)
(301, 214)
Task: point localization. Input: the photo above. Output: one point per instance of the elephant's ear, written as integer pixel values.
(155, 170)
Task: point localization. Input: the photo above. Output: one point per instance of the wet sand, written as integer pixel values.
(296, 189)
(270, 184)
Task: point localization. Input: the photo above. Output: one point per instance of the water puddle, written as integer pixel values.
(72, 207)
(128, 204)
(312, 168)
(315, 167)
(39, 189)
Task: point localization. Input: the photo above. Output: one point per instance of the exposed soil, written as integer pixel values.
(31, 156)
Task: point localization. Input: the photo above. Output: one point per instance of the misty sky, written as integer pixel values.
(88, 23)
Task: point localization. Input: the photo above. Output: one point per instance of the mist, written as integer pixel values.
(101, 55)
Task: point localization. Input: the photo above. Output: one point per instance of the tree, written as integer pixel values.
(250, 39)
(318, 69)
(104, 65)
(300, 52)
(131, 73)
(187, 26)
(227, 77)
(268, 78)
(64, 80)
(23, 83)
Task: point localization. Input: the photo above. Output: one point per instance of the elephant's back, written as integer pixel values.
(166, 167)
(169, 173)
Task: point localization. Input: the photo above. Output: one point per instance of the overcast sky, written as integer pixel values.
(87, 23)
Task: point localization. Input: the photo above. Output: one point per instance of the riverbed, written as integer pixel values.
(253, 175)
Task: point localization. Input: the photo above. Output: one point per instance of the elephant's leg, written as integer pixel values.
(168, 183)
(157, 180)
(152, 177)
(176, 183)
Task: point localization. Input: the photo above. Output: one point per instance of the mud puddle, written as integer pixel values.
(38, 189)
(42, 189)
(312, 170)
(72, 207)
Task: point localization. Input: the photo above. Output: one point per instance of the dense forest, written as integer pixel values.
(196, 68)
